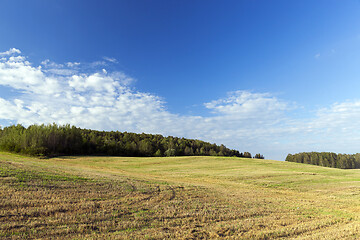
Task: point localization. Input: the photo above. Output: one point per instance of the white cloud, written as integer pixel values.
(122, 78)
(340, 118)
(99, 100)
(98, 63)
(19, 75)
(244, 104)
(248, 121)
(317, 56)
(11, 51)
(113, 60)
(51, 67)
(72, 64)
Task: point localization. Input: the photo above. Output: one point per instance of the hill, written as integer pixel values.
(176, 197)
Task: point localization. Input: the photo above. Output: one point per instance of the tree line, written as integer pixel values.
(326, 159)
(53, 140)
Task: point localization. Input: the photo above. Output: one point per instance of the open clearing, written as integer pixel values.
(179, 197)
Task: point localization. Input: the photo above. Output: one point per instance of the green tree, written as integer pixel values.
(247, 155)
(158, 153)
(170, 152)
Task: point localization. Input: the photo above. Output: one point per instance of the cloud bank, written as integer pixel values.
(98, 99)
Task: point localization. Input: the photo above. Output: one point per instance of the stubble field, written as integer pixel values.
(178, 197)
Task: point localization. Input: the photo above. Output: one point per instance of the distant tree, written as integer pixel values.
(326, 159)
(188, 151)
(314, 158)
(170, 152)
(145, 147)
(259, 156)
(247, 155)
(306, 158)
(53, 139)
(203, 151)
(158, 153)
(212, 152)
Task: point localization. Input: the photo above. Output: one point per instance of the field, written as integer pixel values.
(175, 197)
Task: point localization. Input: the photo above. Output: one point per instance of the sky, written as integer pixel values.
(269, 77)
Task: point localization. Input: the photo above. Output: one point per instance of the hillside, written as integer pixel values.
(175, 197)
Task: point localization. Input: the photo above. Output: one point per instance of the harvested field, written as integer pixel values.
(179, 197)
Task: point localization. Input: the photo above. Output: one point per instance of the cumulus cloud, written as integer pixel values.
(103, 100)
(98, 99)
(244, 104)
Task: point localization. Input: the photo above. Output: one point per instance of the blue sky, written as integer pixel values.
(273, 77)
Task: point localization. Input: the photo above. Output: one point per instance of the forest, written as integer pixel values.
(54, 140)
(326, 159)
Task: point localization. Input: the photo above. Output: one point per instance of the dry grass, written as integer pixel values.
(181, 198)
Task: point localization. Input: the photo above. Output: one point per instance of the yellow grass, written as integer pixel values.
(178, 197)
